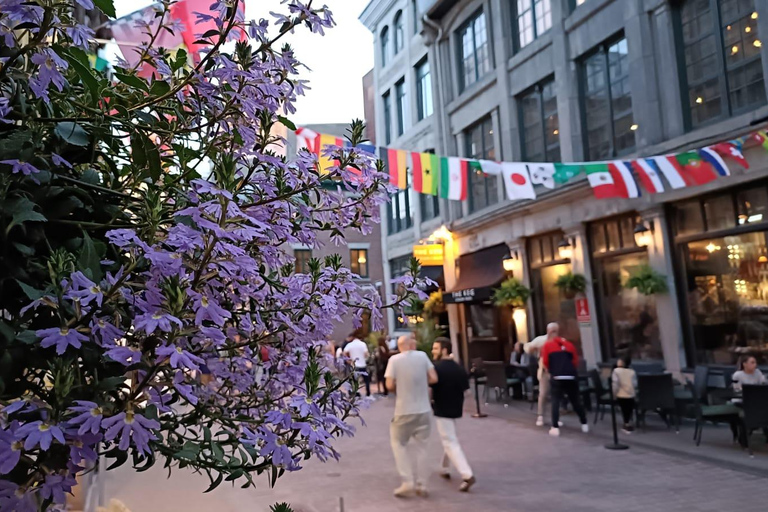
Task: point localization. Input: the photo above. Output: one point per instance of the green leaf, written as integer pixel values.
(22, 210)
(6, 331)
(84, 71)
(28, 337)
(133, 80)
(89, 261)
(287, 123)
(181, 59)
(145, 156)
(72, 133)
(24, 249)
(30, 292)
(159, 88)
(107, 7)
(91, 176)
(214, 483)
(111, 383)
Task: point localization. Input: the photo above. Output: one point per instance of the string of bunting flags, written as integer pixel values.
(447, 176)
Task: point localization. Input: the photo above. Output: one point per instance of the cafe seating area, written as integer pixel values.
(700, 410)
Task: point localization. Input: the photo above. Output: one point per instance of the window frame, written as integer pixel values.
(423, 112)
(401, 106)
(384, 44)
(538, 90)
(602, 49)
(354, 261)
(480, 125)
(396, 224)
(387, 108)
(726, 110)
(469, 24)
(301, 264)
(399, 32)
(517, 46)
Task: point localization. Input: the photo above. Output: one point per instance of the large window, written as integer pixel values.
(628, 320)
(399, 209)
(540, 134)
(723, 74)
(607, 102)
(534, 17)
(722, 243)
(384, 39)
(399, 267)
(423, 90)
(402, 108)
(483, 189)
(549, 303)
(387, 101)
(399, 32)
(302, 260)
(358, 262)
(474, 51)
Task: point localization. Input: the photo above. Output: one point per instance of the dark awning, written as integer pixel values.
(435, 273)
(479, 273)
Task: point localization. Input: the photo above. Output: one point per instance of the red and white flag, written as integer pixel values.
(517, 181)
(732, 151)
(648, 174)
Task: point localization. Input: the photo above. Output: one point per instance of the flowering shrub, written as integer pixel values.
(149, 305)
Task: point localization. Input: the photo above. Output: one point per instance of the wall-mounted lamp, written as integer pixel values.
(512, 262)
(565, 249)
(643, 234)
(441, 235)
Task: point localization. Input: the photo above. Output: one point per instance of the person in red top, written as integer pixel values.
(560, 358)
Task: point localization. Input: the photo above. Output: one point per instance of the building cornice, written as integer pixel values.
(374, 12)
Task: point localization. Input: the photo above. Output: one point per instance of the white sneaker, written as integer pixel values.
(585, 428)
(540, 421)
(559, 423)
(554, 432)
(404, 491)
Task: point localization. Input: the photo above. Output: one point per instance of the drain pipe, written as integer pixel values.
(439, 76)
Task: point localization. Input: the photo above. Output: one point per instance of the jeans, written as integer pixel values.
(566, 388)
(363, 372)
(627, 406)
(453, 453)
(408, 435)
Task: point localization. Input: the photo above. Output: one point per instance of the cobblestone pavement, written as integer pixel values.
(518, 468)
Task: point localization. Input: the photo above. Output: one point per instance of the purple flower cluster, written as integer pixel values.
(199, 325)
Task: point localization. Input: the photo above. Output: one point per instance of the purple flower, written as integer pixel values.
(105, 331)
(131, 428)
(80, 35)
(56, 488)
(17, 166)
(10, 448)
(83, 449)
(5, 109)
(184, 390)
(37, 432)
(89, 417)
(48, 73)
(179, 357)
(59, 161)
(15, 498)
(84, 290)
(208, 309)
(150, 322)
(62, 337)
(86, 4)
(124, 355)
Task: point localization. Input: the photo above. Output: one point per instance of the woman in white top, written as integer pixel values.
(748, 373)
(624, 383)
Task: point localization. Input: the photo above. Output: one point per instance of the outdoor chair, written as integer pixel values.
(496, 376)
(755, 410)
(656, 392)
(725, 413)
(602, 395)
(700, 380)
(648, 367)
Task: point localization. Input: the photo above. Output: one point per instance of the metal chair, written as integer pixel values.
(656, 392)
(602, 395)
(755, 409)
(713, 413)
(497, 379)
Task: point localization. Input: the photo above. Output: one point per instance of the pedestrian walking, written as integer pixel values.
(533, 348)
(382, 357)
(624, 385)
(560, 358)
(448, 406)
(409, 375)
(357, 351)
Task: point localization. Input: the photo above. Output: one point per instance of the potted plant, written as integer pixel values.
(434, 304)
(511, 293)
(647, 281)
(571, 284)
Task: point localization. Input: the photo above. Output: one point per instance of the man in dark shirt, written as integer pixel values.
(448, 405)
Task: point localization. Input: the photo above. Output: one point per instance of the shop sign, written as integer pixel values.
(429, 255)
(469, 295)
(582, 310)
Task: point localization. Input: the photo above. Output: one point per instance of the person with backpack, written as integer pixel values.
(560, 358)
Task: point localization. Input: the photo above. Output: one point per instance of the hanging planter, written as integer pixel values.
(434, 304)
(647, 281)
(511, 293)
(571, 284)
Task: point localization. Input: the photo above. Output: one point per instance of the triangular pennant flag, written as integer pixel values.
(517, 181)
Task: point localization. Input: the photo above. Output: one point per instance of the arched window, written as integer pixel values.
(384, 45)
(399, 32)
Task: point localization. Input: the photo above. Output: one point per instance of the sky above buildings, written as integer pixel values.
(336, 62)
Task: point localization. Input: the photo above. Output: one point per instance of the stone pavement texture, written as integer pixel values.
(518, 468)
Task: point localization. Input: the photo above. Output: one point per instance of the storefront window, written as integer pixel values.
(725, 280)
(482, 320)
(550, 305)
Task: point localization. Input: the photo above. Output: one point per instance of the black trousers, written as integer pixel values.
(363, 372)
(627, 406)
(566, 388)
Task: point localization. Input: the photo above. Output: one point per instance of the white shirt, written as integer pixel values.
(535, 346)
(741, 377)
(624, 382)
(357, 351)
(409, 370)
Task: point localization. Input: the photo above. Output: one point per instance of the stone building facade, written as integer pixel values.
(586, 80)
